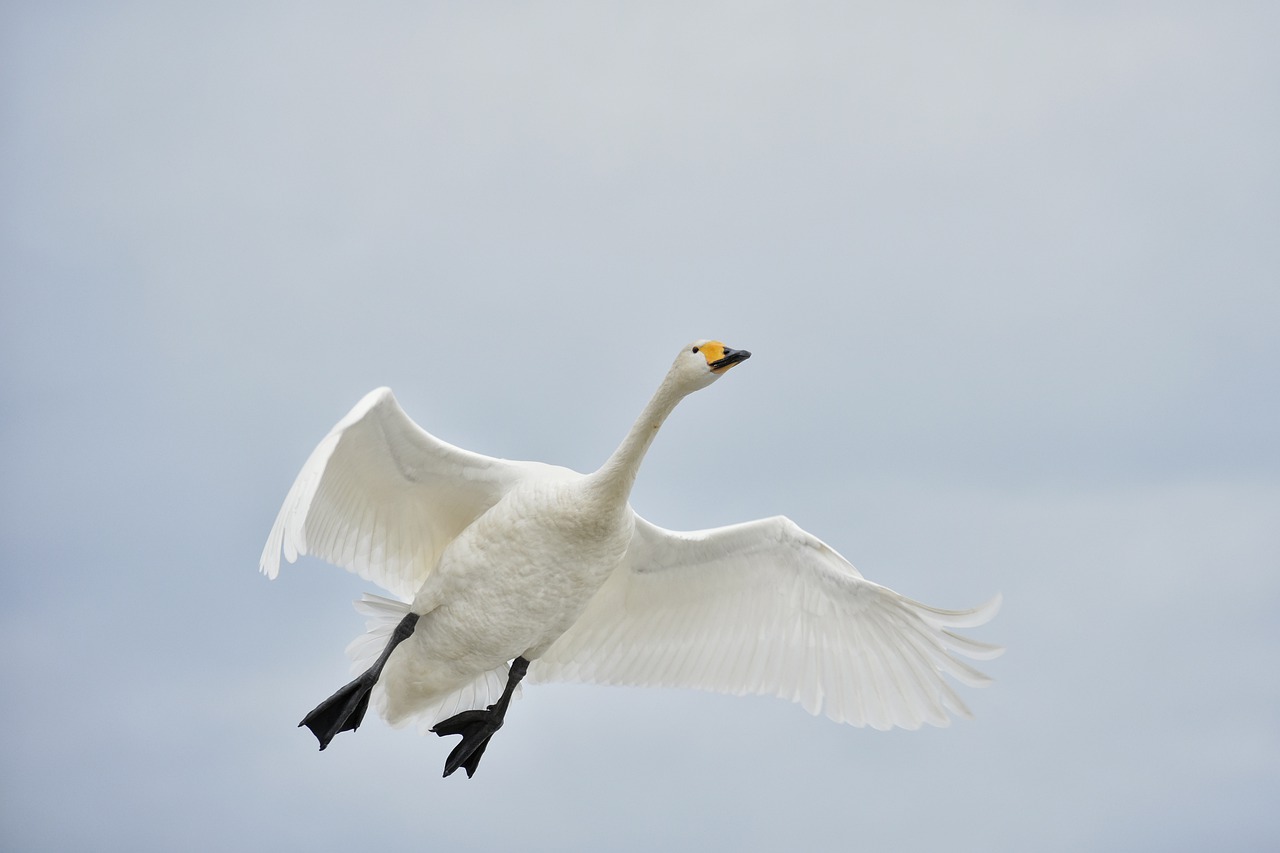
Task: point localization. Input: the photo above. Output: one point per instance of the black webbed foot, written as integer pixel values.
(477, 727)
(341, 712)
(344, 710)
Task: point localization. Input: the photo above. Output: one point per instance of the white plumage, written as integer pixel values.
(504, 559)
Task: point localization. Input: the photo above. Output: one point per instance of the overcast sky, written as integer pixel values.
(1010, 275)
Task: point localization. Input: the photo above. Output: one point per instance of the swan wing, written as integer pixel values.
(382, 497)
(766, 608)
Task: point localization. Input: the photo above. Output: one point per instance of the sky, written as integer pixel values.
(1009, 275)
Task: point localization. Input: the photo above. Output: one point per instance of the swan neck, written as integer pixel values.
(618, 474)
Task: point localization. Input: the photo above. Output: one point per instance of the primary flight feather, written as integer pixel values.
(511, 568)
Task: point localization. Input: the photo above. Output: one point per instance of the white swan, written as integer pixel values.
(552, 571)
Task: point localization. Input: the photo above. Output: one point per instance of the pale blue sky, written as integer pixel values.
(1010, 278)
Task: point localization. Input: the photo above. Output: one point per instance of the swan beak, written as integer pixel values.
(731, 357)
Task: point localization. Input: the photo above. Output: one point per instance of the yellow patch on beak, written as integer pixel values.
(720, 357)
(712, 351)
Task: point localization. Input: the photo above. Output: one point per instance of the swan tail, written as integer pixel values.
(383, 615)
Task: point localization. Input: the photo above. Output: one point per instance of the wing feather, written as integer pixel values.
(766, 608)
(381, 497)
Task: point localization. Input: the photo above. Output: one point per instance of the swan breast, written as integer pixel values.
(515, 580)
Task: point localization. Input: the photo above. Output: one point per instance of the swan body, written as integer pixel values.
(497, 561)
(524, 571)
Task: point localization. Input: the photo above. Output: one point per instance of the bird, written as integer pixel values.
(503, 569)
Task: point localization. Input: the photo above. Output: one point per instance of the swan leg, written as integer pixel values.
(344, 710)
(477, 727)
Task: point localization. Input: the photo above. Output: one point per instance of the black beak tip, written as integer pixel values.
(731, 357)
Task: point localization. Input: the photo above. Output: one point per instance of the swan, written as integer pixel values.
(507, 568)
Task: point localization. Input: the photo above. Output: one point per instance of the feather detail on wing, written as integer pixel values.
(767, 608)
(382, 497)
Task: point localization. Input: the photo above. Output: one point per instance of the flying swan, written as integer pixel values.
(507, 568)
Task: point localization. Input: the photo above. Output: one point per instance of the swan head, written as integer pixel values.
(703, 362)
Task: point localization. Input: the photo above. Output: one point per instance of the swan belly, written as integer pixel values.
(508, 586)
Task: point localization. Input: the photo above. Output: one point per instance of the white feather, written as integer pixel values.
(382, 497)
(692, 609)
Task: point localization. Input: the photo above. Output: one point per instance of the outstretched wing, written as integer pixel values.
(767, 608)
(382, 497)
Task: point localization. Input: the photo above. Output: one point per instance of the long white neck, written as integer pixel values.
(618, 474)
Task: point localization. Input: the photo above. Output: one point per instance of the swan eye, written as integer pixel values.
(695, 349)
